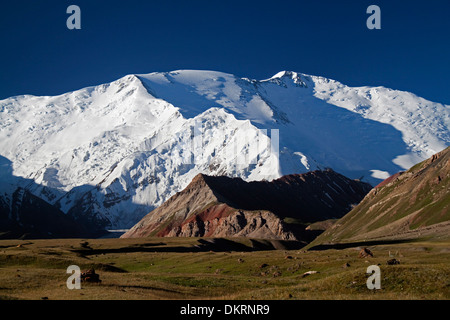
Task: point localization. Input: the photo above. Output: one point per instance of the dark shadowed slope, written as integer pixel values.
(25, 215)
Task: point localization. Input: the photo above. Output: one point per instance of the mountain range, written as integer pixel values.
(107, 155)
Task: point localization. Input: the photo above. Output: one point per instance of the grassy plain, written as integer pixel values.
(192, 268)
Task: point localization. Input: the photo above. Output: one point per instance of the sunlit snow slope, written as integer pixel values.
(110, 154)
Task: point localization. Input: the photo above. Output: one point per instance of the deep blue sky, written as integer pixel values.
(255, 39)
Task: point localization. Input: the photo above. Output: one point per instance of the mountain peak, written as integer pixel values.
(282, 76)
(285, 73)
(199, 178)
(224, 206)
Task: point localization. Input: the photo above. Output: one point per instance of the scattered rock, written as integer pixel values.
(274, 268)
(44, 298)
(294, 268)
(276, 274)
(240, 260)
(288, 257)
(393, 262)
(289, 296)
(90, 276)
(264, 265)
(218, 271)
(346, 265)
(365, 253)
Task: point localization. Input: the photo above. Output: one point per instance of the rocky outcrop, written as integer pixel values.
(230, 207)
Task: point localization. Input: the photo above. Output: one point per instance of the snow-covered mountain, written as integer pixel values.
(110, 154)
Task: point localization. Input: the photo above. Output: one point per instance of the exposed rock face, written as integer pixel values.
(262, 224)
(407, 205)
(231, 207)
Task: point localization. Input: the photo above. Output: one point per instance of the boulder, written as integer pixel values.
(393, 262)
(90, 276)
(365, 253)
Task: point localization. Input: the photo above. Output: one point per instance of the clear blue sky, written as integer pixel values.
(255, 39)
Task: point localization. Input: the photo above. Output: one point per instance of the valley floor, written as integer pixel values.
(193, 268)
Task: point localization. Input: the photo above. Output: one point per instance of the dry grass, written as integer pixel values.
(139, 269)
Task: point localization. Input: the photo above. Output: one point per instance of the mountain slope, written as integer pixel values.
(222, 206)
(406, 205)
(25, 215)
(109, 154)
